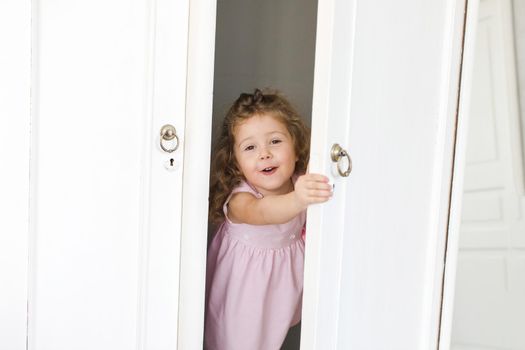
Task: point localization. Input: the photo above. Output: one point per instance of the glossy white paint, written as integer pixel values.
(386, 86)
(15, 65)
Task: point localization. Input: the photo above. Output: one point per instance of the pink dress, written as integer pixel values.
(254, 283)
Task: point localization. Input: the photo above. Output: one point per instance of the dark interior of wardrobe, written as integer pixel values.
(264, 44)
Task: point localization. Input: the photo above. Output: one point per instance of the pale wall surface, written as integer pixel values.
(264, 44)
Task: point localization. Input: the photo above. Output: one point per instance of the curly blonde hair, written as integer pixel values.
(225, 173)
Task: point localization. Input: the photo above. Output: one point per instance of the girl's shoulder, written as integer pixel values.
(245, 187)
(242, 187)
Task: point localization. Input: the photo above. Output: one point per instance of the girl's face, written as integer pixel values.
(265, 153)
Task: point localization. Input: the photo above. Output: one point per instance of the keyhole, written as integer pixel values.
(171, 161)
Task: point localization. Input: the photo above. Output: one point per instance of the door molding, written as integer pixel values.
(452, 251)
(199, 100)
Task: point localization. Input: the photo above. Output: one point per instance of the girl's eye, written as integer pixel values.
(276, 141)
(249, 148)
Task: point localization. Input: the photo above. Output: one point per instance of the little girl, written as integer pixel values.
(259, 195)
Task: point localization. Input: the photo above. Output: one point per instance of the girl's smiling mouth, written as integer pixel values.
(269, 170)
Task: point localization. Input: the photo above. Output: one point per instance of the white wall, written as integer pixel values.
(264, 44)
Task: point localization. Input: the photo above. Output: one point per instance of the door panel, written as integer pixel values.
(385, 88)
(105, 212)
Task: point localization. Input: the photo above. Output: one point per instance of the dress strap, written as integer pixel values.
(242, 187)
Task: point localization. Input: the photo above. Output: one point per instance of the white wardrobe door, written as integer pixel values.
(385, 89)
(105, 198)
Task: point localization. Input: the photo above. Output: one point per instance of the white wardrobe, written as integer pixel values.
(103, 229)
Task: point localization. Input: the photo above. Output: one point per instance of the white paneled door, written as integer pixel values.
(489, 309)
(101, 264)
(105, 210)
(385, 89)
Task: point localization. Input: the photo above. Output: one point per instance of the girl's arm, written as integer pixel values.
(309, 189)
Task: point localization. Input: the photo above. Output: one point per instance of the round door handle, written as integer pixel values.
(337, 154)
(168, 133)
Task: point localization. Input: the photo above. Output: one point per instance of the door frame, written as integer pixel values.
(456, 191)
(452, 248)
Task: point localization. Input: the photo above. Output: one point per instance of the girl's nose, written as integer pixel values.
(265, 154)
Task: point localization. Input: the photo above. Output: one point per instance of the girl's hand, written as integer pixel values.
(310, 189)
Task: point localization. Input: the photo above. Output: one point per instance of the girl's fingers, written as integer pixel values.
(315, 188)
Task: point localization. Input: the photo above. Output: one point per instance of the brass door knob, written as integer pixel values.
(168, 133)
(337, 154)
